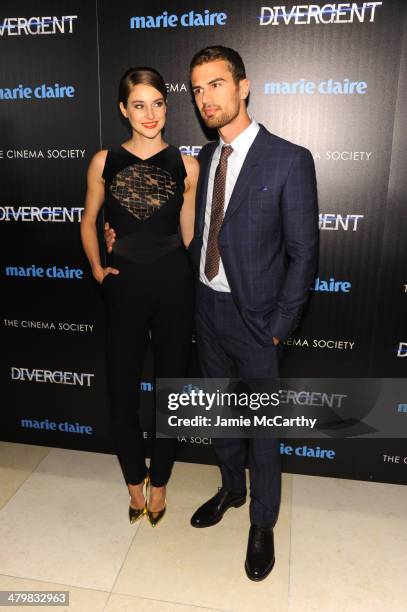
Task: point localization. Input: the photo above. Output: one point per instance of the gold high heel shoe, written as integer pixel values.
(136, 513)
(156, 516)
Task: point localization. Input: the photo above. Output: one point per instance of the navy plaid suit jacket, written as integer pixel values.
(269, 237)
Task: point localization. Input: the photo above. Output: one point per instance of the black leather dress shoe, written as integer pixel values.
(213, 510)
(260, 553)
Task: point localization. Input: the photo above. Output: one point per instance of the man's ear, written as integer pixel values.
(123, 110)
(244, 87)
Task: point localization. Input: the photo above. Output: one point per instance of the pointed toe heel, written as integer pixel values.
(135, 514)
(155, 517)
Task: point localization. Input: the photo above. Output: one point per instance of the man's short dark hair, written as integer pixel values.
(217, 52)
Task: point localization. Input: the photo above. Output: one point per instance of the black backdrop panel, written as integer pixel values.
(52, 326)
(332, 81)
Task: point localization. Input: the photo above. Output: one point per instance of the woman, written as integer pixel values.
(148, 191)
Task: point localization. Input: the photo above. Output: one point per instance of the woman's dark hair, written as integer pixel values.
(217, 52)
(140, 76)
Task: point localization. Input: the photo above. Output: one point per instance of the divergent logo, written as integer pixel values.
(306, 14)
(46, 214)
(32, 26)
(81, 379)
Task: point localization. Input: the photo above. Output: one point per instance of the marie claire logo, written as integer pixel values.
(306, 14)
(42, 153)
(32, 26)
(80, 379)
(335, 222)
(402, 350)
(61, 326)
(331, 285)
(176, 87)
(313, 452)
(321, 343)
(41, 214)
(146, 386)
(53, 272)
(66, 427)
(191, 19)
(327, 87)
(190, 149)
(39, 92)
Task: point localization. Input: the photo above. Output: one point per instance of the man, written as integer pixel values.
(255, 250)
(255, 243)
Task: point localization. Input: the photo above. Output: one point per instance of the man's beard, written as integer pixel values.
(219, 121)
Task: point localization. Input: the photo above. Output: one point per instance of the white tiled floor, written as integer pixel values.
(341, 546)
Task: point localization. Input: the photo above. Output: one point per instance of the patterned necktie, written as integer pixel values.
(217, 214)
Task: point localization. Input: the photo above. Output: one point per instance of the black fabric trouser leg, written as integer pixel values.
(172, 328)
(136, 302)
(126, 345)
(227, 349)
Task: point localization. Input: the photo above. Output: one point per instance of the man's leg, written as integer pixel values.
(258, 362)
(216, 363)
(253, 361)
(212, 321)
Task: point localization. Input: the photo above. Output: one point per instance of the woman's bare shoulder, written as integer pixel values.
(97, 163)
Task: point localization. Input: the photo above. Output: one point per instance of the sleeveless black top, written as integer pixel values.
(143, 200)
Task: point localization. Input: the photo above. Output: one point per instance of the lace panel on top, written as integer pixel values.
(142, 189)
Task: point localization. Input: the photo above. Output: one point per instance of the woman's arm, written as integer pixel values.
(95, 195)
(187, 216)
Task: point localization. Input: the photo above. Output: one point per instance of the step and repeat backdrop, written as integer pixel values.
(326, 76)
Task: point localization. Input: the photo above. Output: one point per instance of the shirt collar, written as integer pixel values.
(242, 143)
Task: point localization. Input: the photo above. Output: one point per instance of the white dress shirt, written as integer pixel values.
(241, 145)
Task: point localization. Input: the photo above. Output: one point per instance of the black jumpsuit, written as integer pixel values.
(153, 292)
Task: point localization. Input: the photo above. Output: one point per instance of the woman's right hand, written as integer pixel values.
(100, 273)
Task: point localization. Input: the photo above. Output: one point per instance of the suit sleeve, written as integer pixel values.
(299, 210)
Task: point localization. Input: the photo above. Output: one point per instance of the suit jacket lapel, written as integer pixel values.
(245, 178)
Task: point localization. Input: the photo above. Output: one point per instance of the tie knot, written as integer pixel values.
(226, 151)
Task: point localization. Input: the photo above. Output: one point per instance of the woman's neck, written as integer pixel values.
(145, 147)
